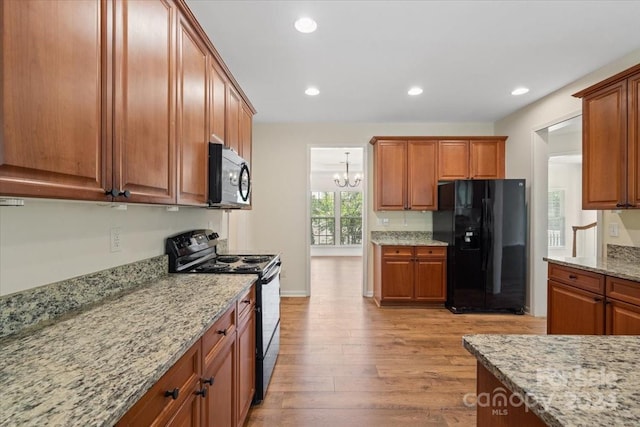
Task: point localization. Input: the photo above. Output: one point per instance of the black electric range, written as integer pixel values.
(195, 252)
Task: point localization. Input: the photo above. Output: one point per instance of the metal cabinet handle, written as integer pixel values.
(172, 393)
(573, 276)
(222, 331)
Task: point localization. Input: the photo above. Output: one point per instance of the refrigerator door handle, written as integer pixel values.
(486, 234)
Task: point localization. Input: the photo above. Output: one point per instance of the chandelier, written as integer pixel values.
(346, 181)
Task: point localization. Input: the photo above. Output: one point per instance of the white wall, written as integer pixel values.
(46, 241)
(528, 159)
(280, 156)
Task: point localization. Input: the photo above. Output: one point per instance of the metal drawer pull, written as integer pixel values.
(172, 393)
(222, 332)
(202, 392)
(573, 276)
(209, 380)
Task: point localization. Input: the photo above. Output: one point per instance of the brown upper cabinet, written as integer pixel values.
(472, 158)
(610, 148)
(407, 169)
(96, 104)
(405, 174)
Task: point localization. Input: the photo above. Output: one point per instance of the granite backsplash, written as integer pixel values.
(623, 253)
(27, 309)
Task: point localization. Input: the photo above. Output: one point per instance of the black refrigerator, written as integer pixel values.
(485, 224)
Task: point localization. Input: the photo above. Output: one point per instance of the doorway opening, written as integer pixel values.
(336, 220)
(570, 230)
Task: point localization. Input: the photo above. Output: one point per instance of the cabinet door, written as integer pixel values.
(633, 141)
(220, 404)
(53, 130)
(144, 143)
(217, 102)
(391, 175)
(232, 118)
(486, 159)
(192, 116)
(245, 132)
(397, 279)
(574, 311)
(604, 148)
(246, 364)
(422, 180)
(188, 415)
(622, 318)
(453, 160)
(431, 274)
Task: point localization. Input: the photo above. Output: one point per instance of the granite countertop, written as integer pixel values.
(404, 238)
(567, 380)
(621, 268)
(90, 368)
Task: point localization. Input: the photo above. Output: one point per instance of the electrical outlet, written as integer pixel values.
(383, 221)
(613, 229)
(116, 240)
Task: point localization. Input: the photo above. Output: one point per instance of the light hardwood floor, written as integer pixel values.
(345, 362)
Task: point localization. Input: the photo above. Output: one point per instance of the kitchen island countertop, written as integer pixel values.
(567, 380)
(621, 268)
(89, 368)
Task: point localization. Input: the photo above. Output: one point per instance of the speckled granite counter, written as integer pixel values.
(404, 238)
(567, 380)
(89, 369)
(621, 268)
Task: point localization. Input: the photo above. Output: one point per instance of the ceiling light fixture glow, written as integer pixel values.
(520, 91)
(306, 25)
(312, 91)
(415, 91)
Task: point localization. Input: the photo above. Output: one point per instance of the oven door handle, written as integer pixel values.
(268, 279)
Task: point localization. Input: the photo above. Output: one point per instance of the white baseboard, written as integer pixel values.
(294, 294)
(368, 294)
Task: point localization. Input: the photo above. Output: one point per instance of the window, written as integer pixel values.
(322, 218)
(350, 218)
(336, 218)
(556, 228)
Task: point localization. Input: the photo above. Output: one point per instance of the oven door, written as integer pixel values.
(269, 304)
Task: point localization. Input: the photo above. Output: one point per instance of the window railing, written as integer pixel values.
(350, 231)
(323, 230)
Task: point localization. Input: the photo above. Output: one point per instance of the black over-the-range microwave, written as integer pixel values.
(229, 178)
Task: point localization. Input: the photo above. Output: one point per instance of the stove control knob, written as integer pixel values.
(213, 236)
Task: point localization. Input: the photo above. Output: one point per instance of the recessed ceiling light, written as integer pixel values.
(305, 25)
(312, 91)
(415, 91)
(520, 91)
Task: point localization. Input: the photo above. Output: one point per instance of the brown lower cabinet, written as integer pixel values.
(209, 385)
(500, 409)
(410, 274)
(582, 302)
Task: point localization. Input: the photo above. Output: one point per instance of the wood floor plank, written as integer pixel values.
(346, 362)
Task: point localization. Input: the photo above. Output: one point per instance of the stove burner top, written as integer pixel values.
(211, 267)
(229, 259)
(256, 259)
(248, 268)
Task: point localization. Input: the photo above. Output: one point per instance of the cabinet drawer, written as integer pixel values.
(222, 330)
(582, 279)
(623, 290)
(404, 251)
(156, 404)
(431, 251)
(247, 302)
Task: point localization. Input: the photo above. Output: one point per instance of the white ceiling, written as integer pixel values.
(467, 55)
(333, 160)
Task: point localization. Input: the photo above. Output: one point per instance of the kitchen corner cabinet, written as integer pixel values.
(405, 174)
(587, 303)
(471, 158)
(110, 100)
(209, 385)
(409, 274)
(610, 142)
